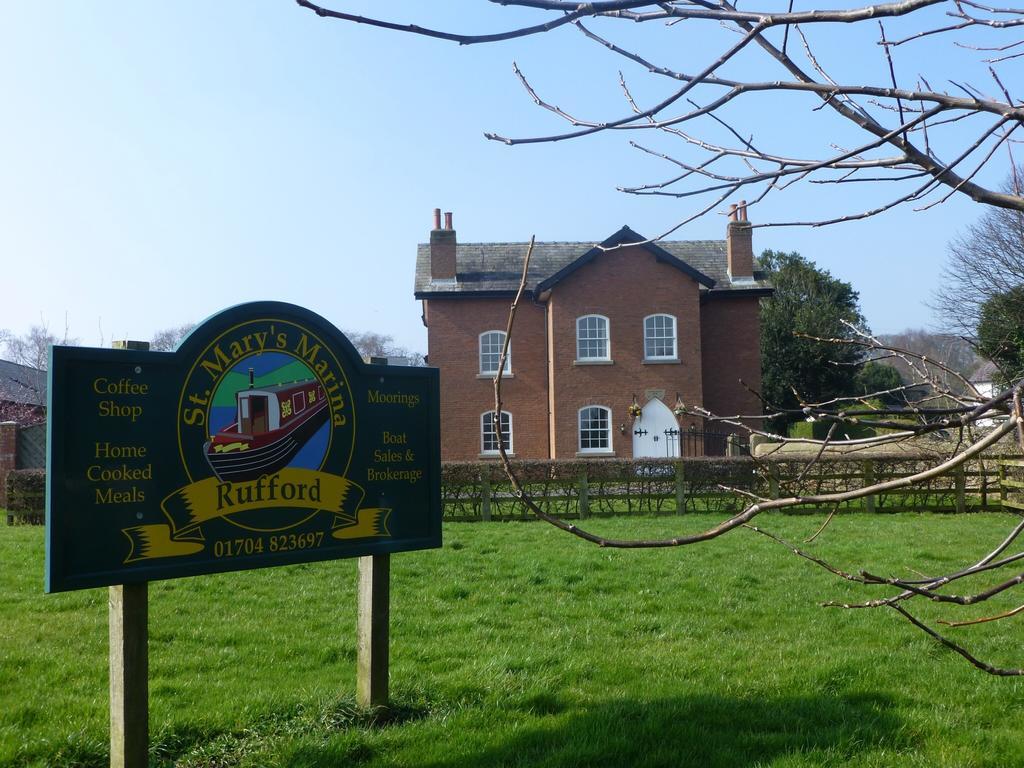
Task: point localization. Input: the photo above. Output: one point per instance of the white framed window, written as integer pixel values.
(595, 429)
(489, 435)
(491, 343)
(592, 341)
(660, 337)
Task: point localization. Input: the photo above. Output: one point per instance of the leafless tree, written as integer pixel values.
(926, 138)
(956, 358)
(986, 260)
(32, 349)
(952, 351)
(373, 344)
(913, 141)
(23, 385)
(168, 339)
(370, 343)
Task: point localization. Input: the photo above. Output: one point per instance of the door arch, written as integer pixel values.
(656, 432)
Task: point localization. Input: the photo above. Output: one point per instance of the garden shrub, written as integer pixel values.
(818, 430)
(26, 495)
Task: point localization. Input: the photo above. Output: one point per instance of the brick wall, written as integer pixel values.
(731, 333)
(8, 455)
(453, 337)
(624, 285)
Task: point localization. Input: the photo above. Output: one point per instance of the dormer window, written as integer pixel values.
(491, 343)
(660, 338)
(592, 343)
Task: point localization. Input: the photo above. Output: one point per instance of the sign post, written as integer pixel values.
(129, 676)
(263, 440)
(129, 662)
(372, 631)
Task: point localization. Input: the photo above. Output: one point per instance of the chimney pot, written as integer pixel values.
(448, 220)
(437, 218)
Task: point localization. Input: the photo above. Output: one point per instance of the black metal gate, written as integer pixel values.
(695, 443)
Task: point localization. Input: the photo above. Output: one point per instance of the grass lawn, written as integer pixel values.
(518, 645)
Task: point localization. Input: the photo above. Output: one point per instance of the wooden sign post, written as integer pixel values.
(129, 676)
(263, 440)
(372, 631)
(128, 617)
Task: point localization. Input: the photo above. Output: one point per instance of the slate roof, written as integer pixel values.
(987, 371)
(21, 384)
(495, 268)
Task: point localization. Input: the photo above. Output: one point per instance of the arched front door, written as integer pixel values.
(656, 432)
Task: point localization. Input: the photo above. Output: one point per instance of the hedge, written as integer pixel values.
(480, 490)
(26, 496)
(596, 486)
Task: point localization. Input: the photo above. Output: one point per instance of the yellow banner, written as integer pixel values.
(151, 541)
(191, 506)
(368, 523)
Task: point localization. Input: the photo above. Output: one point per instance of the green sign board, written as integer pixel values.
(262, 440)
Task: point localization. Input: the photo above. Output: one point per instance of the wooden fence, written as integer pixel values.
(1011, 483)
(581, 489)
(31, 447)
(576, 490)
(20, 448)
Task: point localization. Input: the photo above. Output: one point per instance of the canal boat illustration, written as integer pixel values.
(271, 426)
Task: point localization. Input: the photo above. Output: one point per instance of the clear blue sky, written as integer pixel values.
(162, 161)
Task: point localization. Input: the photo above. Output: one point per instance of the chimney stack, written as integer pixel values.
(739, 247)
(442, 248)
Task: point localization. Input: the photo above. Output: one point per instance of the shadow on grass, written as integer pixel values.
(705, 731)
(702, 731)
(678, 732)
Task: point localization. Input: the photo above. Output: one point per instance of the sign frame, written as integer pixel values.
(355, 421)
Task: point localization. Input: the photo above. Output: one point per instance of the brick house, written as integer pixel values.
(22, 393)
(22, 402)
(599, 328)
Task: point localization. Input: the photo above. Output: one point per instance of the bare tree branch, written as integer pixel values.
(929, 144)
(754, 26)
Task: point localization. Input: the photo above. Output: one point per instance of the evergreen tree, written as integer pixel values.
(807, 300)
(875, 378)
(1001, 332)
